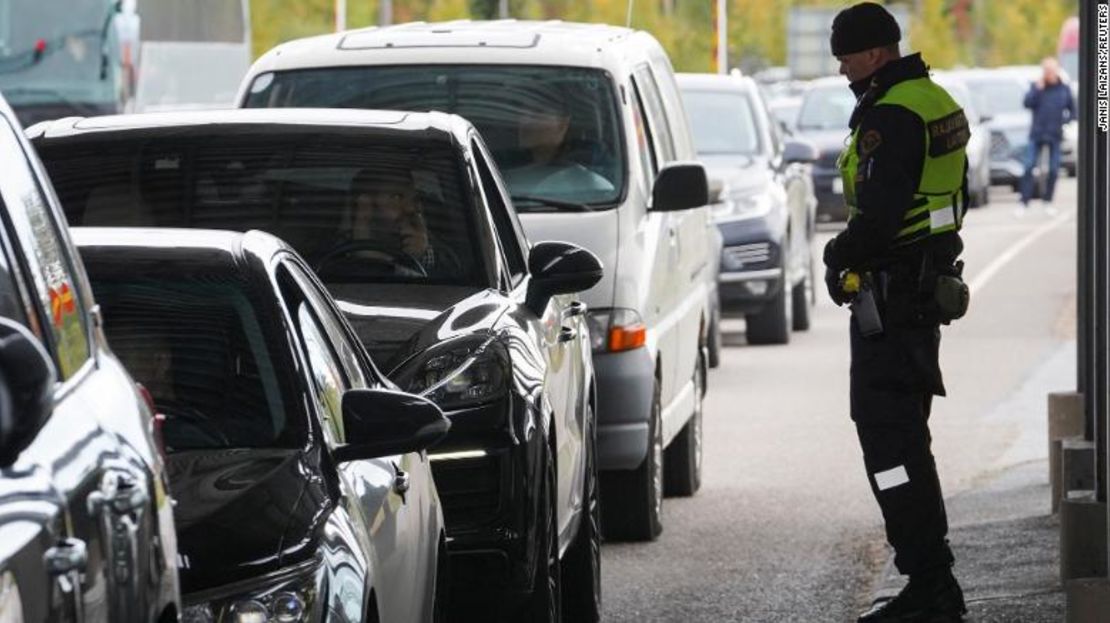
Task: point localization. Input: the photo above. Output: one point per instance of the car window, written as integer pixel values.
(332, 324)
(643, 138)
(11, 297)
(45, 256)
(358, 210)
(652, 104)
(508, 230)
(328, 381)
(554, 131)
(210, 361)
(723, 122)
(826, 109)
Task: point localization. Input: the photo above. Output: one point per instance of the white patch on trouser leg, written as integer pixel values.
(891, 478)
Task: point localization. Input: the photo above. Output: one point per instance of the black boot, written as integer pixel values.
(932, 598)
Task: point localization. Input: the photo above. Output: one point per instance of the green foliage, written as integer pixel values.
(947, 32)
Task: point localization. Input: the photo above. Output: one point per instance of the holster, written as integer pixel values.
(942, 290)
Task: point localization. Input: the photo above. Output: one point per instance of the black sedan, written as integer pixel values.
(404, 217)
(302, 490)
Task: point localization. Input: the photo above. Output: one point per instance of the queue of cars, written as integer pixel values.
(353, 384)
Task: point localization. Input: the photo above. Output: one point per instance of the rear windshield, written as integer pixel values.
(554, 131)
(357, 209)
(200, 349)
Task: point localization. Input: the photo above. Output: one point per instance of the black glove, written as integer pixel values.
(836, 291)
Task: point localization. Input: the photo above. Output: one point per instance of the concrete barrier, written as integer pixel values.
(1082, 536)
(1088, 600)
(1065, 420)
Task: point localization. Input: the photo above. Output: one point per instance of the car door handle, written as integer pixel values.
(577, 308)
(125, 495)
(402, 482)
(67, 556)
(567, 334)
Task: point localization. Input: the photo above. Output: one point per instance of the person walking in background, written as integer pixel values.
(1052, 105)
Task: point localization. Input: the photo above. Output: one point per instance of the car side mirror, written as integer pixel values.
(27, 378)
(680, 186)
(804, 152)
(380, 422)
(559, 268)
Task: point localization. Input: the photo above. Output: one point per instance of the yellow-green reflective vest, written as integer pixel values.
(938, 202)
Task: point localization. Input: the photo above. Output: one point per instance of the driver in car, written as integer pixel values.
(542, 128)
(387, 212)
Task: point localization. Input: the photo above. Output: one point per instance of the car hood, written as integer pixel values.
(238, 510)
(825, 141)
(1010, 121)
(741, 174)
(395, 321)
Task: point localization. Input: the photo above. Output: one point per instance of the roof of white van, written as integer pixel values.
(501, 41)
(715, 82)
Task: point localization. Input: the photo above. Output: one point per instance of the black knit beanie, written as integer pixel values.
(861, 27)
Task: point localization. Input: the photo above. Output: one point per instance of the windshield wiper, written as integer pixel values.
(554, 203)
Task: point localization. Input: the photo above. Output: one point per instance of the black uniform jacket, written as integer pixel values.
(891, 153)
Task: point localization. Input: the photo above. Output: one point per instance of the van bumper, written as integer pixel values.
(625, 383)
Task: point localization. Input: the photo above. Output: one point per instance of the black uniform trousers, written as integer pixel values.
(893, 379)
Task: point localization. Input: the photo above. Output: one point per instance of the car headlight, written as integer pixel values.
(284, 597)
(460, 373)
(738, 207)
(616, 329)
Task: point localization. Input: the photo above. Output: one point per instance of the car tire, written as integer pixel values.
(683, 458)
(714, 340)
(801, 297)
(545, 603)
(771, 325)
(632, 500)
(581, 566)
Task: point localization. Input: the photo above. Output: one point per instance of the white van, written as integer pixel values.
(586, 124)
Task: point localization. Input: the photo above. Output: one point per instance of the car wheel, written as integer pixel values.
(684, 455)
(632, 501)
(772, 324)
(714, 340)
(800, 297)
(581, 567)
(544, 604)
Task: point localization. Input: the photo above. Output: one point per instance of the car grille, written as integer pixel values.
(1000, 147)
(470, 489)
(747, 256)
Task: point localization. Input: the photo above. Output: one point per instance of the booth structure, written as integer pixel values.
(1078, 421)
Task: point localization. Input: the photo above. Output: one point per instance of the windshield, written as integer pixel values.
(358, 209)
(198, 346)
(723, 122)
(554, 131)
(51, 53)
(994, 96)
(826, 109)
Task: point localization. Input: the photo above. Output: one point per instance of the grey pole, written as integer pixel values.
(503, 9)
(385, 12)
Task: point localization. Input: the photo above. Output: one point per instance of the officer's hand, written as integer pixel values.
(836, 291)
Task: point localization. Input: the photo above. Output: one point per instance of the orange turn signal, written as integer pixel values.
(627, 338)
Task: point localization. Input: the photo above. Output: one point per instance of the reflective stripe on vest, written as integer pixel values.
(938, 202)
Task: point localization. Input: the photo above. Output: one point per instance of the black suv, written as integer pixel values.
(86, 525)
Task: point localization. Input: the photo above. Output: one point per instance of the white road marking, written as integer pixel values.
(984, 276)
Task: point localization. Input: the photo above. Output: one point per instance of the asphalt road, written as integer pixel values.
(784, 527)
